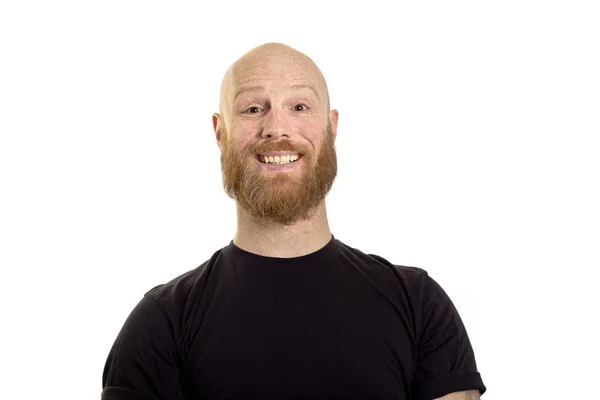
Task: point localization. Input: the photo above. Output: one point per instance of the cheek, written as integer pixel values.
(245, 133)
(241, 136)
(309, 130)
(309, 124)
(315, 134)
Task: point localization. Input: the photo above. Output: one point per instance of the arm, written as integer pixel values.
(466, 395)
(143, 361)
(445, 359)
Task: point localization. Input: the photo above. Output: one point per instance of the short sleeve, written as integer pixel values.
(445, 357)
(142, 363)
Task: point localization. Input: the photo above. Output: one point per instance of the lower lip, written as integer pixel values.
(277, 167)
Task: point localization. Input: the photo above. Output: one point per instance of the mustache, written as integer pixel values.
(282, 145)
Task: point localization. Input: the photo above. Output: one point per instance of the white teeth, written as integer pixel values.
(279, 159)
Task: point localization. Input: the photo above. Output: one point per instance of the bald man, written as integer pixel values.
(286, 310)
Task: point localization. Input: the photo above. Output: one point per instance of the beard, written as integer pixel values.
(283, 197)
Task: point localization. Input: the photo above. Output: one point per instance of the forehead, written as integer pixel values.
(273, 72)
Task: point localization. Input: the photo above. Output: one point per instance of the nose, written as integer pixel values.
(275, 124)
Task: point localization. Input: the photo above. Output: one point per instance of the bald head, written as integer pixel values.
(271, 65)
(274, 104)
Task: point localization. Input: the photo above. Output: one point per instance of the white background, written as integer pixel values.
(467, 145)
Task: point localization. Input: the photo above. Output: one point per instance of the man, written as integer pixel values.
(286, 310)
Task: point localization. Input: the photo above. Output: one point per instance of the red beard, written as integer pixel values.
(283, 197)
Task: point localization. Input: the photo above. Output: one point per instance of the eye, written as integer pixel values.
(252, 110)
(300, 107)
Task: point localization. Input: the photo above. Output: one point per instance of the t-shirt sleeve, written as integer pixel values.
(142, 363)
(445, 358)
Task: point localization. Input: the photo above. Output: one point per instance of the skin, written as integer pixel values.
(466, 395)
(279, 213)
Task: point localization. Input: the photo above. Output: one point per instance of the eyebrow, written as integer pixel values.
(305, 86)
(247, 89)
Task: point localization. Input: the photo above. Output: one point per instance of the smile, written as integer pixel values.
(278, 162)
(281, 160)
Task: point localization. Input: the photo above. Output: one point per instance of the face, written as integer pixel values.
(277, 107)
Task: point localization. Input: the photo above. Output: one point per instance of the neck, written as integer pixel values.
(270, 239)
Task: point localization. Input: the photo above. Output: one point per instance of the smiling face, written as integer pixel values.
(276, 134)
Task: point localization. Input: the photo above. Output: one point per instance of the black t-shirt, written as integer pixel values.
(333, 324)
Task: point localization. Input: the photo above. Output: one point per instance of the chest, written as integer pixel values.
(294, 339)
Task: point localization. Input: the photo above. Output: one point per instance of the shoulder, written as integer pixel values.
(412, 284)
(173, 295)
(408, 287)
(410, 277)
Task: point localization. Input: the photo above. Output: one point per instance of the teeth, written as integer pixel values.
(279, 159)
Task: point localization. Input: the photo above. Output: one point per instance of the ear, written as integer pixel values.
(333, 122)
(217, 121)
